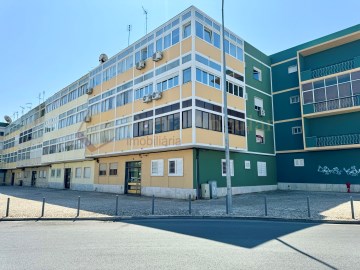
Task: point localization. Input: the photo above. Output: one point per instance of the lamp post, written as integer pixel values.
(227, 150)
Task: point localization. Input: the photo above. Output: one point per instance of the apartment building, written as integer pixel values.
(316, 94)
(149, 120)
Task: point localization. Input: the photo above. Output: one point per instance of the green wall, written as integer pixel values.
(290, 53)
(210, 168)
(263, 85)
(284, 138)
(332, 56)
(256, 53)
(253, 146)
(282, 79)
(283, 109)
(250, 105)
(287, 172)
(333, 125)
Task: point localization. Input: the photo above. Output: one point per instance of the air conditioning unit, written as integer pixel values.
(140, 65)
(156, 95)
(157, 56)
(147, 98)
(89, 91)
(261, 112)
(87, 119)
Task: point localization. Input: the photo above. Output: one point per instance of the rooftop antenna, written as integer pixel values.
(22, 110)
(28, 105)
(146, 13)
(129, 28)
(43, 96)
(17, 115)
(39, 98)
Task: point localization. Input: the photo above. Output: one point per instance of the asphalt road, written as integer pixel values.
(178, 244)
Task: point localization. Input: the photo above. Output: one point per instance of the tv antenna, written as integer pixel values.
(22, 110)
(129, 28)
(28, 105)
(145, 13)
(17, 115)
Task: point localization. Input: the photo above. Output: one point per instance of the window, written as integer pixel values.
(292, 69)
(175, 36)
(234, 89)
(299, 162)
(294, 99)
(247, 165)
(260, 137)
(113, 169)
(78, 172)
(143, 128)
(259, 103)
(167, 123)
(261, 168)
(223, 167)
(208, 121)
(167, 84)
(102, 169)
(52, 173)
(207, 35)
(58, 173)
(186, 119)
(157, 167)
(186, 75)
(236, 127)
(257, 74)
(175, 167)
(186, 30)
(208, 79)
(296, 130)
(87, 172)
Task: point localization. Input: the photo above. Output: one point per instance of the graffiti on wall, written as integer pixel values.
(352, 171)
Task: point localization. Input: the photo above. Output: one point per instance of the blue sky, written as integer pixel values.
(46, 45)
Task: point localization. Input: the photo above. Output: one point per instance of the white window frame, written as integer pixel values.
(160, 167)
(58, 173)
(247, 164)
(179, 167)
(256, 135)
(296, 130)
(299, 162)
(113, 166)
(77, 170)
(294, 99)
(223, 173)
(260, 74)
(258, 103)
(292, 69)
(87, 169)
(261, 168)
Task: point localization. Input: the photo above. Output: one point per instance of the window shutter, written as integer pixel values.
(232, 167)
(161, 167)
(179, 167)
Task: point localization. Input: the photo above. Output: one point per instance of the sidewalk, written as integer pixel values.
(26, 202)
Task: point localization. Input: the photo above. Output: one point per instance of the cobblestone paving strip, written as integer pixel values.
(26, 202)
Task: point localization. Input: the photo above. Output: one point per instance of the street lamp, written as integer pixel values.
(227, 150)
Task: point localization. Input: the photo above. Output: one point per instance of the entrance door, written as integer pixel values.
(67, 178)
(133, 177)
(33, 179)
(12, 179)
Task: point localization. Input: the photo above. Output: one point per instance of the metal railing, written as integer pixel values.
(345, 139)
(332, 69)
(335, 104)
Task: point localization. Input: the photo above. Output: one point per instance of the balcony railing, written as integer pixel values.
(335, 140)
(331, 69)
(335, 104)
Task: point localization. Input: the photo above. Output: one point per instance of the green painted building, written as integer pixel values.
(316, 97)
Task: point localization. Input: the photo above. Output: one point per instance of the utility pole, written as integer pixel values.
(227, 149)
(129, 28)
(146, 13)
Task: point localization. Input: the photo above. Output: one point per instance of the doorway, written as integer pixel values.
(12, 179)
(133, 177)
(33, 178)
(67, 178)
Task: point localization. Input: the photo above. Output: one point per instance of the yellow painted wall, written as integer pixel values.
(209, 93)
(185, 181)
(207, 49)
(209, 137)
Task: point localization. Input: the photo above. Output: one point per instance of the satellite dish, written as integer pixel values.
(103, 58)
(7, 119)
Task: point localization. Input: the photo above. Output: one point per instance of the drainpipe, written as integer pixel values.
(197, 174)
